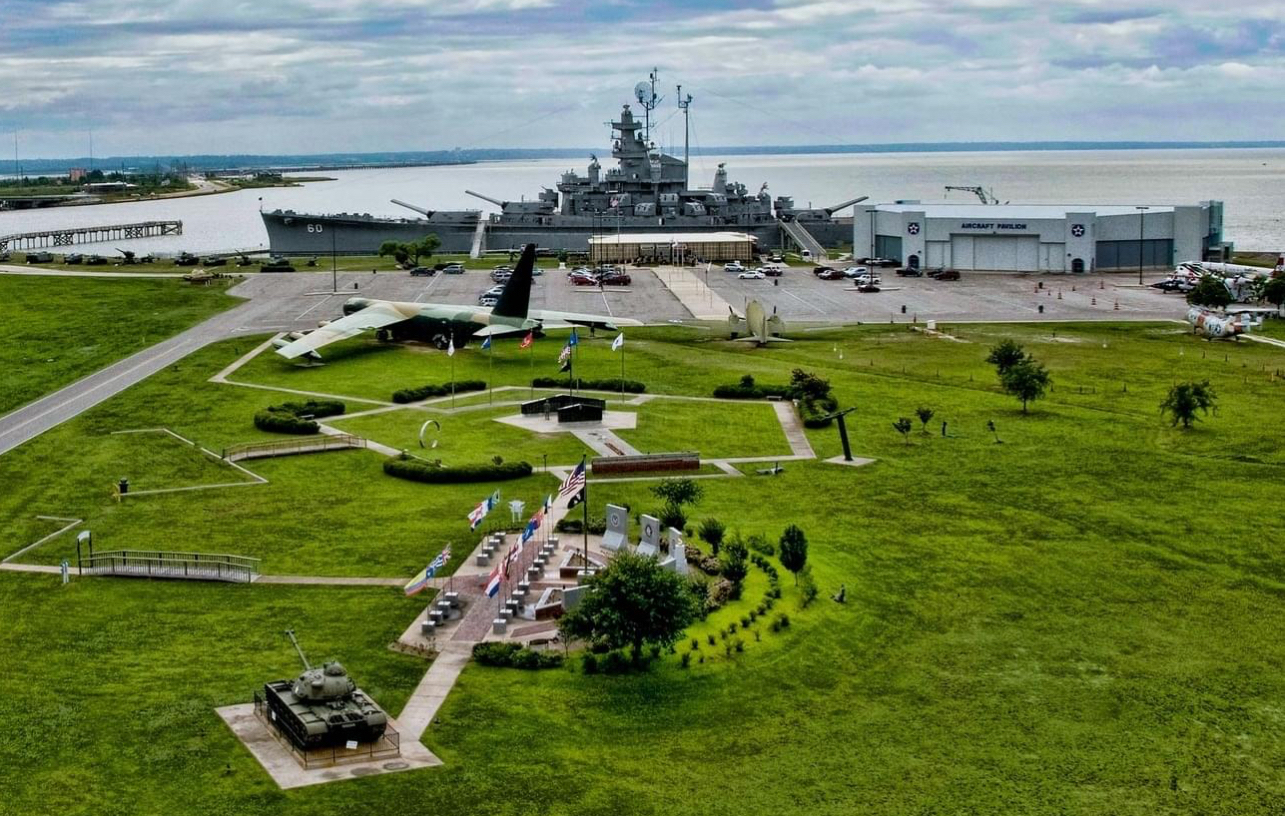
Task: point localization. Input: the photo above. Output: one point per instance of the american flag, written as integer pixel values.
(574, 482)
(528, 340)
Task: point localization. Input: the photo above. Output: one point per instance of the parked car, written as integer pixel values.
(733, 266)
(830, 274)
(752, 274)
(488, 300)
(867, 279)
(494, 290)
(854, 271)
(867, 287)
(772, 271)
(947, 275)
(422, 271)
(584, 280)
(501, 277)
(615, 279)
(776, 257)
(536, 271)
(453, 269)
(910, 272)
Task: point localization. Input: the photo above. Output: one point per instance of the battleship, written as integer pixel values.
(647, 192)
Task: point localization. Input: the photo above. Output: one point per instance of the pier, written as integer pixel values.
(89, 235)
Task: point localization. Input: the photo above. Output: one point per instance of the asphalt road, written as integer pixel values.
(291, 302)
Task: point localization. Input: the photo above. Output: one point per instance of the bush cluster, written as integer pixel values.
(597, 525)
(748, 389)
(417, 470)
(630, 386)
(428, 391)
(513, 656)
(290, 418)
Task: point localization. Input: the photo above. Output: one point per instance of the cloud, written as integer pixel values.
(175, 76)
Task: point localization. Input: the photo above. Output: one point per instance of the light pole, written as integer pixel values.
(1142, 216)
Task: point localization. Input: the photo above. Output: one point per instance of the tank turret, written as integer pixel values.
(322, 706)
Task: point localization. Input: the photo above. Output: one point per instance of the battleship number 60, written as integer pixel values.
(314, 227)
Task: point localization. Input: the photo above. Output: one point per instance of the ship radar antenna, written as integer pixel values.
(645, 93)
(684, 103)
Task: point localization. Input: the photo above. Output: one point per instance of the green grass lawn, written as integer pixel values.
(715, 429)
(57, 330)
(1083, 619)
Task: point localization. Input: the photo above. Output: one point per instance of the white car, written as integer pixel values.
(854, 271)
(752, 274)
(867, 279)
(488, 300)
(733, 266)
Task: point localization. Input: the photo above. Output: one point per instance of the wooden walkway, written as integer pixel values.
(167, 564)
(290, 447)
(43, 239)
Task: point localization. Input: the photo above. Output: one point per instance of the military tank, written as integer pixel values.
(322, 708)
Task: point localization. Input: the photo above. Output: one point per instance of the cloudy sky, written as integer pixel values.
(274, 76)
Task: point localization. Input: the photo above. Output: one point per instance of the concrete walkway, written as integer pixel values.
(689, 287)
(604, 442)
(323, 580)
(433, 689)
(794, 433)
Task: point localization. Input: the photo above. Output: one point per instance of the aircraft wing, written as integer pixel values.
(565, 320)
(376, 316)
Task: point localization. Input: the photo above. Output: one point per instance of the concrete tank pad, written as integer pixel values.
(285, 769)
(611, 420)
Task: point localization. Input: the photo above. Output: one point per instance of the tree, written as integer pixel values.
(711, 532)
(736, 562)
(1211, 292)
(793, 548)
(1185, 399)
(1028, 380)
(808, 386)
(1005, 355)
(1274, 291)
(409, 253)
(676, 493)
(925, 416)
(903, 426)
(632, 602)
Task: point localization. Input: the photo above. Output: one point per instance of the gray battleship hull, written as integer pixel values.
(292, 233)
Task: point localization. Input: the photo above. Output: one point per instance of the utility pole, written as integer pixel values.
(1142, 215)
(685, 103)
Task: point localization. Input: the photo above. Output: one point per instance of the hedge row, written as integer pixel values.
(417, 470)
(426, 391)
(815, 412)
(631, 386)
(753, 391)
(289, 417)
(513, 656)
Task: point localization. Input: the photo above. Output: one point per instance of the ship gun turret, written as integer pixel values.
(494, 201)
(848, 203)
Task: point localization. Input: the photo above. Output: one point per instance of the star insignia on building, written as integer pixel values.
(913, 228)
(1077, 230)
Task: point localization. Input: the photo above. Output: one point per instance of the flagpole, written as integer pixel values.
(531, 357)
(585, 524)
(622, 370)
(490, 372)
(452, 356)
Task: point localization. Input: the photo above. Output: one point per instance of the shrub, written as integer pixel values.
(597, 526)
(807, 587)
(631, 386)
(429, 391)
(685, 660)
(615, 663)
(671, 515)
(712, 642)
(740, 645)
(759, 544)
(784, 620)
(745, 622)
(757, 636)
(296, 417)
(417, 470)
(511, 655)
(731, 628)
(696, 644)
(590, 663)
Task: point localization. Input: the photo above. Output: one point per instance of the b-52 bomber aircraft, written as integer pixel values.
(442, 323)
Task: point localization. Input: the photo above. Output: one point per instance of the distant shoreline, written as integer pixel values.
(394, 159)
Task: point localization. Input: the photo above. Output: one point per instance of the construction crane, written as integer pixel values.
(986, 196)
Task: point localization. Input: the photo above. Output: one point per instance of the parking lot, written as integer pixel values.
(800, 297)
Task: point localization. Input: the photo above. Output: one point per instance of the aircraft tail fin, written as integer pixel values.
(515, 300)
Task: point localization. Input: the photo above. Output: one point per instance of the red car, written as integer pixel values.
(583, 280)
(830, 274)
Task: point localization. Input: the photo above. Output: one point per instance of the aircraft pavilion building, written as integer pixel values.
(1037, 237)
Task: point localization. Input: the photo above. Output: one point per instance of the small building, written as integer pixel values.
(77, 174)
(1038, 237)
(672, 247)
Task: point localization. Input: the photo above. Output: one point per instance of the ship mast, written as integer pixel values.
(685, 104)
(645, 92)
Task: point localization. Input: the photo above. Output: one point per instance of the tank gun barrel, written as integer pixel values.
(837, 207)
(302, 656)
(485, 198)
